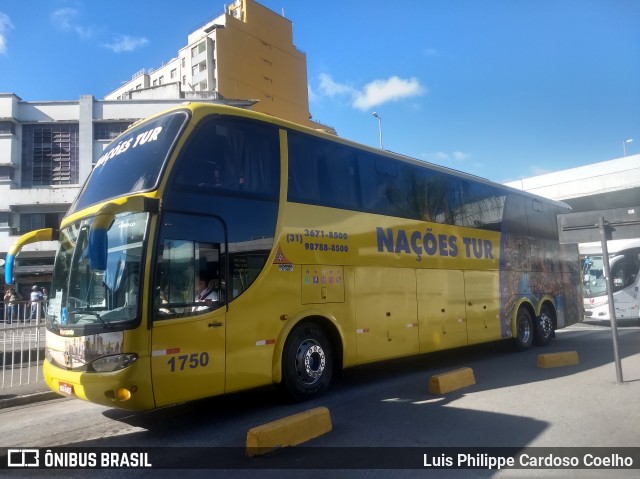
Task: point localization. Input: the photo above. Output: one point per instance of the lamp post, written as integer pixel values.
(379, 127)
(624, 145)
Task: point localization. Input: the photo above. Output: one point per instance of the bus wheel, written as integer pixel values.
(307, 362)
(524, 325)
(544, 327)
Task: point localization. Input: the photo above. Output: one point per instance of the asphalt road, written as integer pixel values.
(514, 404)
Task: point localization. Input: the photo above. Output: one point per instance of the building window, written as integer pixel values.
(161, 80)
(36, 221)
(184, 80)
(50, 154)
(201, 47)
(200, 67)
(203, 85)
(7, 128)
(198, 49)
(183, 63)
(109, 131)
(174, 73)
(6, 173)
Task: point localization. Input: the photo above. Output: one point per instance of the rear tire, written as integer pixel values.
(307, 362)
(524, 330)
(544, 330)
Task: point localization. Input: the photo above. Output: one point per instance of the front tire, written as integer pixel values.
(524, 329)
(544, 327)
(307, 362)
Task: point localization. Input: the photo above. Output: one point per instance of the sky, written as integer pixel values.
(502, 89)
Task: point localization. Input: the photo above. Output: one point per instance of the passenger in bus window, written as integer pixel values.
(622, 274)
(162, 301)
(207, 293)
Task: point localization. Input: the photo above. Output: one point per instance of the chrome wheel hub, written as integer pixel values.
(546, 324)
(310, 361)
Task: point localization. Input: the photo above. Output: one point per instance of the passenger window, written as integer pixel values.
(624, 273)
(231, 157)
(322, 173)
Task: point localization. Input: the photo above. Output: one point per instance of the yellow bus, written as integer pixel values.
(215, 249)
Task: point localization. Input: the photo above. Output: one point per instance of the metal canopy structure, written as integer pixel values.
(603, 225)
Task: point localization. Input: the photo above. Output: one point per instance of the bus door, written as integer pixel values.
(189, 313)
(441, 309)
(482, 292)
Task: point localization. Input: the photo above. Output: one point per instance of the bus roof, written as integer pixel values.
(235, 111)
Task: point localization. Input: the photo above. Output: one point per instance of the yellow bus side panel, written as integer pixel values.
(319, 235)
(257, 326)
(254, 322)
(441, 309)
(483, 306)
(322, 284)
(386, 313)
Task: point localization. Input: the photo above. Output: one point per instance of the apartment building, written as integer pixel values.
(246, 52)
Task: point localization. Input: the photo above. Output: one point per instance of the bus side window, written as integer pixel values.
(207, 164)
(624, 274)
(189, 252)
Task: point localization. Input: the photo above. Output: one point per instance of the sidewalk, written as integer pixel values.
(19, 395)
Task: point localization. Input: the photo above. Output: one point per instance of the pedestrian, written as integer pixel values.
(45, 298)
(36, 299)
(11, 298)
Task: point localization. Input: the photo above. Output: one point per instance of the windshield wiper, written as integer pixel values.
(93, 313)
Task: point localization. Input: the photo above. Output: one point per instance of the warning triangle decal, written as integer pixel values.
(280, 257)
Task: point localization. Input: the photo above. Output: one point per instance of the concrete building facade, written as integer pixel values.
(598, 186)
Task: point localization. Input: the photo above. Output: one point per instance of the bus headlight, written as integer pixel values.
(113, 363)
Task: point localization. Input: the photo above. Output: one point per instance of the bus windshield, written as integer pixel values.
(624, 273)
(593, 276)
(105, 300)
(141, 152)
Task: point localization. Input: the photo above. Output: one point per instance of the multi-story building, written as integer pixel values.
(247, 52)
(47, 150)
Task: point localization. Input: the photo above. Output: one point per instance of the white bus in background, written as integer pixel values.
(624, 263)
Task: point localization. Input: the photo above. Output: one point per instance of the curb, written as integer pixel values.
(288, 431)
(451, 381)
(28, 399)
(554, 360)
